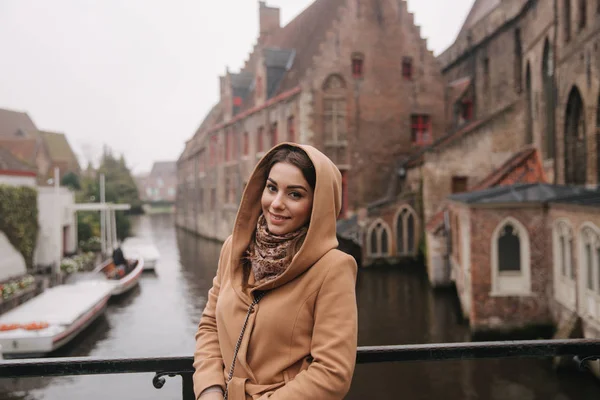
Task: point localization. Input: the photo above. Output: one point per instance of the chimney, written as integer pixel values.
(269, 20)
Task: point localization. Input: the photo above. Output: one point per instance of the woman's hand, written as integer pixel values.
(211, 396)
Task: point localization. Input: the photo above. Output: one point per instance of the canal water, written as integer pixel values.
(396, 306)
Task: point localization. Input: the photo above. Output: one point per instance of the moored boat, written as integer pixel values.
(52, 319)
(139, 247)
(125, 277)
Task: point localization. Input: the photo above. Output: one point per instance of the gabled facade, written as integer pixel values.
(354, 79)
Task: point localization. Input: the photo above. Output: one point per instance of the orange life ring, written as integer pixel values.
(35, 326)
(9, 327)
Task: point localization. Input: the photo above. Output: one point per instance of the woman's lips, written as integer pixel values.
(277, 219)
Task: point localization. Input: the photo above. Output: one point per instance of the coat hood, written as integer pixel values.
(321, 235)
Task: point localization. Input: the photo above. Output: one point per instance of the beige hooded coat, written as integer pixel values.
(300, 342)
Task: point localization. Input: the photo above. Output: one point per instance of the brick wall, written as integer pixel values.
(381, 104)
(510, 311)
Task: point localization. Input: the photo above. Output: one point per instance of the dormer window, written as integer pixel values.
(357, 66)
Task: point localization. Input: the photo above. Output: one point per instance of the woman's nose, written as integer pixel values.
(277, 201)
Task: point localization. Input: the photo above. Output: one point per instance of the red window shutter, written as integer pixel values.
(237, 101)
(357, 68)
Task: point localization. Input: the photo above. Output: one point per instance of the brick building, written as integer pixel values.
(520, 74)
(160, 185)
(354, 79)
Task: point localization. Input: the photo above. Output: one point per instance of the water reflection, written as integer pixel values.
(396, 306)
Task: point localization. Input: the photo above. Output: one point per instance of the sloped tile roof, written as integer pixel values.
(24, 149)
(60, 150)
(164, 168)
(8, 162)
(520, 193)
(11, 122)
(523, 167)
(304, 34)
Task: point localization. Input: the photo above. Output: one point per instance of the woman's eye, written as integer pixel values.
(271, 188)
(296, 195)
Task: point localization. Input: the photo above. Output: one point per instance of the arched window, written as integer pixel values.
(406, 231)
(564, 250)
(379, 236)
(575, 140)
(510, 259)
(567, 20)
(590, 258)
(582, 13)
(549, 101)
(529, 107)
(334, 118)
(518, 62)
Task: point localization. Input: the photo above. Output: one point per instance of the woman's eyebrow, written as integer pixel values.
(289, 187)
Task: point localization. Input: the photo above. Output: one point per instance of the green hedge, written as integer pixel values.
(19, 219)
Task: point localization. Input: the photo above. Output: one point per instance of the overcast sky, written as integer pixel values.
(139, 75)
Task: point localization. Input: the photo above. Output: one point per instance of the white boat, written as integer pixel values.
(124, 277)
(139, 247)
(52, 319)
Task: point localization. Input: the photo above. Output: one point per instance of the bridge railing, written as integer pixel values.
(581, 350)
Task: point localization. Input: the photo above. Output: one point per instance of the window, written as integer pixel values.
(575, 141)
(379, 235)
(548, 90)
(274, 135)
(357, 66)
(567, 20)
(291, 130)
(510, 258)
(486, 75)
(334, 110)
(459, 184)
(246, 144)
(582, 14)
(518, 62)
(228, 145)
(421, 129)
(590, 263)
(260, 145)
(465, 110)
(406, 231)
(407, 68)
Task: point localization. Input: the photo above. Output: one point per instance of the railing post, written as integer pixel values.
(187, 386)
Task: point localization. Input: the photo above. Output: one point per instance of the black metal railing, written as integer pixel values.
(582, 351)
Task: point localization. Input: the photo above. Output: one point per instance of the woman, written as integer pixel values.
(283, 298)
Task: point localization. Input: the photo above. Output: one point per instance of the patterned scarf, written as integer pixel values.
(268, 252)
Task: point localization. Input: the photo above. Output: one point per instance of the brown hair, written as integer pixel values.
(298, 158)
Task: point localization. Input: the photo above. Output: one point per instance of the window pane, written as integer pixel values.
(400, 234)
(509, 250)
(411, 233)
(563, 256)
(590, 266)
(384, 241)
(374, 246)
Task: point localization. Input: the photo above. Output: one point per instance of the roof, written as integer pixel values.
(164, 168)
(479, 10)
(278, 62)
(11, 122)
(59, 149)
(520, 193)
(24, 149)
(524, 166)
(10, 163)
(458, 88)
(304, 34)
(589, 198)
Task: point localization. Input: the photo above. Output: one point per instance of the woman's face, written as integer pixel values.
(287, 199)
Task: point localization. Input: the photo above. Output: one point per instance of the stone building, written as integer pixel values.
(352, 78)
